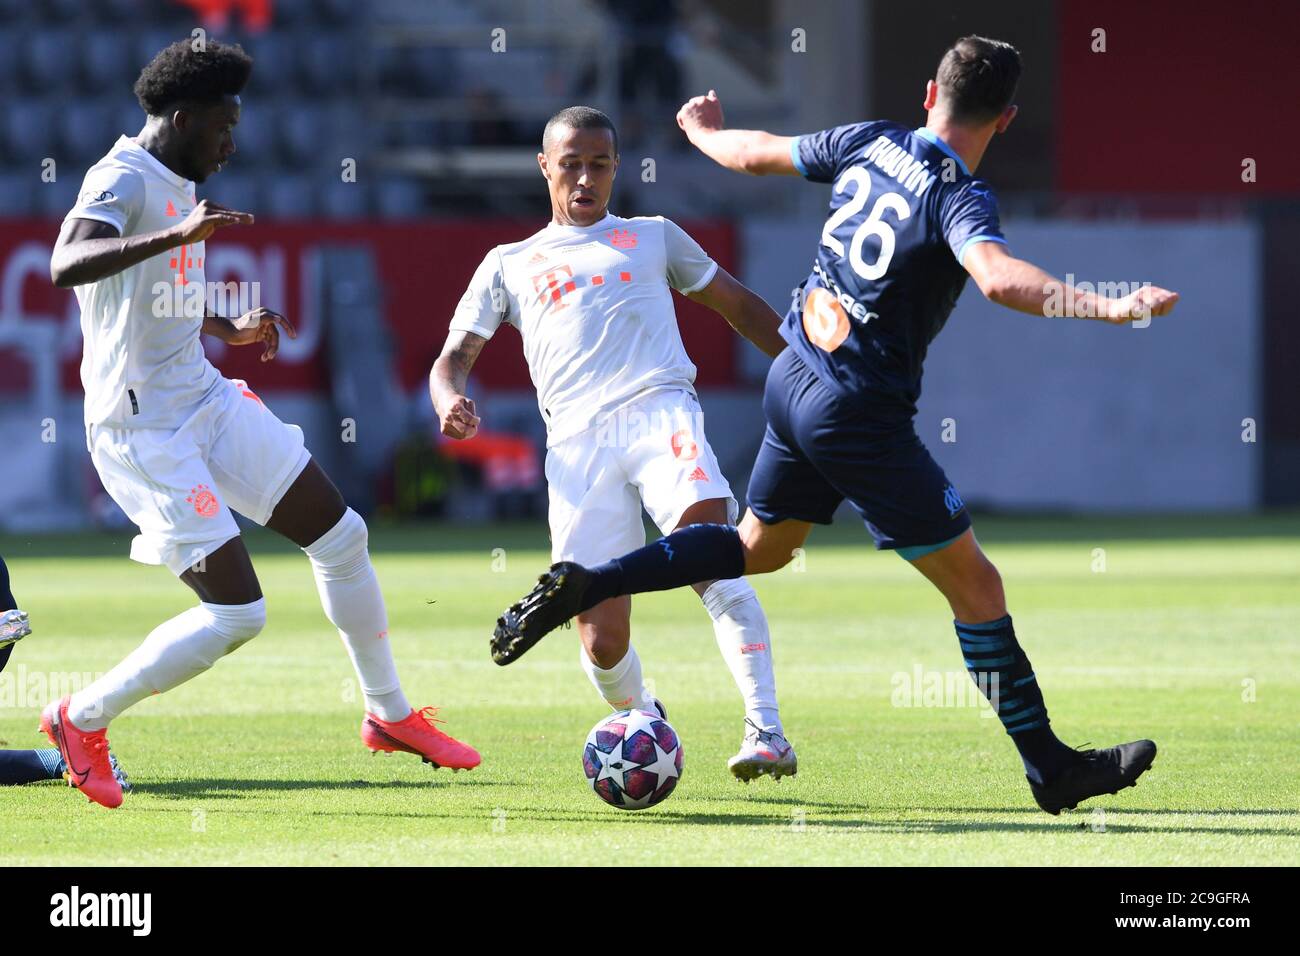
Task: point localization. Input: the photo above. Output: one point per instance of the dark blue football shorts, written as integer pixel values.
(822, 447)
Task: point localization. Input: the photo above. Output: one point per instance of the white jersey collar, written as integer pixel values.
(177, 180)
(604, 223)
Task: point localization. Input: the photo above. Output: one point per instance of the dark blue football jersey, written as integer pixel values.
(888, 270)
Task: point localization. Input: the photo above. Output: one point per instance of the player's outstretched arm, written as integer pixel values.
(743, 150)
(260, 325)
(744, 310)
(1022, 286)
(447, 381)
(88, 250)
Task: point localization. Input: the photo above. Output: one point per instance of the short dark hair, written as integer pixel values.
(978, 77)
(182, 74)
(579, 117)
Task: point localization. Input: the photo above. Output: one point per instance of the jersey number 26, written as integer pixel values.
(873, 225)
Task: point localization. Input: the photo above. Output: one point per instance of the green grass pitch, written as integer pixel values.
(1183, 630)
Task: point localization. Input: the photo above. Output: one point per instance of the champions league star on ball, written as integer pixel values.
(633, 759)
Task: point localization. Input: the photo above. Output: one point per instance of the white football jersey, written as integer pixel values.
(142, 364)
(594, 308)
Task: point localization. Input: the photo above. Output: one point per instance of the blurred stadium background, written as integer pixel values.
(1166, 158)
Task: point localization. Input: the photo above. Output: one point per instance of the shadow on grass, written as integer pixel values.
(776, 824)
(1030, 809)
(1056, 826)
(864, 818)
(853, 819)
(240, 789)
(445, 538)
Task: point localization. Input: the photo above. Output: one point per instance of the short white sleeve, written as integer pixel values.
(112, 194)
(485, 304)
(689, 267)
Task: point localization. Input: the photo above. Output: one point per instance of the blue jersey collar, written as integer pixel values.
(931, 137)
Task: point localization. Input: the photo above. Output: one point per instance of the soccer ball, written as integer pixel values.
(633, 759)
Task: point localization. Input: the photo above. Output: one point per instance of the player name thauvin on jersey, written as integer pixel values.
(894, 161)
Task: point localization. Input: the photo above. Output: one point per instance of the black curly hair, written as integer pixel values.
(182, 74)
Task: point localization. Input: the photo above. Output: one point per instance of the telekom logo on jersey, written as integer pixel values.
(555, 283)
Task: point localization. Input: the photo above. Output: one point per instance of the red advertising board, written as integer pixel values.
(423, 267)
(1197, 94)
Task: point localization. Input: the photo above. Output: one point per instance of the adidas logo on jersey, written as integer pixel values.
(698, 475)
(537, 257)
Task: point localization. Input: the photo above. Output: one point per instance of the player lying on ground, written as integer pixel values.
(179, 447)
(28, 766)
(590, 294)
(907, 222)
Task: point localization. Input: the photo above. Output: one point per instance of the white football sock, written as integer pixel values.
(741, 629)
(174, 651)
(349, 593)
(620, 685)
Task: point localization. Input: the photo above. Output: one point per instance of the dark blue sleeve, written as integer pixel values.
(820, 156)
(970, 215)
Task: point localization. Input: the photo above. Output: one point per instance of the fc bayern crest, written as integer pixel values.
(633, 759)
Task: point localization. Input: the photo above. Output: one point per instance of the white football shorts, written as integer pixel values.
(179, 485)
(650, 452)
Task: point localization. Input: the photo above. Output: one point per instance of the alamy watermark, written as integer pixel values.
(193, 300)
(678, 428)
(21, 688)
(921, 688)
(1087, 300)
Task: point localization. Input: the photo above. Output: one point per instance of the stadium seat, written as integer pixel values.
(53, 200)
(327, 64)
(293, 13)
(437, 71)
(413, 134)
(273, 63)
(348, 134)
(415, 71)
(29, 134)
(12, 12)
(386, 61)
(256, 135)
(18, 194)
(60, 11)
(46, 55)
(336, 11)
(85, 132)
(10, 77)
(302, 132)
(129, 118)
(106, 61)
(340, 200)
(507, 75)
(234, 189)
(451, 13)
(398, 198)
(289, 197)
(119, 13)
(150, 41)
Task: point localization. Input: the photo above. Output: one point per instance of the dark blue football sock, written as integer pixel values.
(1003, 674)
(29, 766)
(698, 552)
